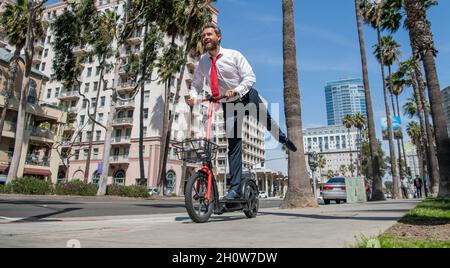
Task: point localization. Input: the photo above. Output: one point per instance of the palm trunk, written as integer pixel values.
(10, 87)
(400, 165)
(141, 120)
(351, 155)
(21, 112)
(401, 139)
(421, 39)
(299, 193)
(91, 138)
(377, 184)
(396, 186)
(432, 162)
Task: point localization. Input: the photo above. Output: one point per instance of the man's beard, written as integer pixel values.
(211, 46)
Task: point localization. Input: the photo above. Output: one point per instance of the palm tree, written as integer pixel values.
(299, 193)
(422, 45)
(377, 184)
(14, 17)
(321, 162)
(381, 52)
(330, 174)
(343, 169)
(348, 122)
(359, 121)
(33, 30)
(415, 133)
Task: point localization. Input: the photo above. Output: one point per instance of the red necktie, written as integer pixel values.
(214, 80)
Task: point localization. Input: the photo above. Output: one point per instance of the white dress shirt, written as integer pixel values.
(233, 71)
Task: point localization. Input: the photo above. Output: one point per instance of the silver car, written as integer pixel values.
(335, 190)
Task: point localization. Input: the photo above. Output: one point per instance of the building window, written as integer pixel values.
(89, 72)
(76, 155)
(46, 52)
(93, 102)
(83, 106)
(145, 131)
(146, 96)
(119, 177)
(95, 153)
(49, 93)
(86, 87)
(81, 120)
(102, 101)
(57, 92)
(43, 66)
(98, 135)
(146, 113)
(95, 86)
(97, 70)
(85, 154)
(100, 117)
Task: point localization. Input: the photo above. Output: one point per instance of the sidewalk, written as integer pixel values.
(327, 226)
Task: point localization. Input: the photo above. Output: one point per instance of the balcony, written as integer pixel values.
(68, 95)
(121, 140)
(135, 38)
(9, 127)
(125, 121)
(70, 128)
(126, 87)
(72, 110)
(39, 45)
(121, 105)
(37, 59)
(119, 159)
(125, 53)
(78, 50)
(41, 133)
(35, 160)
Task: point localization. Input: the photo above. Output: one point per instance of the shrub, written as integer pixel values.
(127, 191)
(76, 187)
(2, 189)
(30, 185)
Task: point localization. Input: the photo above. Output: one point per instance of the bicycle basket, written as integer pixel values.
(196, 150)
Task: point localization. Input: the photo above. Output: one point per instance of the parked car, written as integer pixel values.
(335, 189)
(262, 194)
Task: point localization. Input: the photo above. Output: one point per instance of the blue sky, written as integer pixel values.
(327, 49)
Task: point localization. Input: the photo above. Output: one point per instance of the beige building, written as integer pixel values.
(44, 125)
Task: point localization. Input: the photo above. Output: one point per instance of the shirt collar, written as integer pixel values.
(218, 54)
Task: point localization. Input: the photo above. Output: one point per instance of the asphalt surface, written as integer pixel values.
(50, 207)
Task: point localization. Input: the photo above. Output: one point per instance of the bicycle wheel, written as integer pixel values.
(197, 206)
(251, 195)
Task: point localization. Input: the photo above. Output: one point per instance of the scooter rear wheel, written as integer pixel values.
(251, 195)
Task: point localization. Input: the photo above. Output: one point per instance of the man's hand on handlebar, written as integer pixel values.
(191, 101)
(231, 93)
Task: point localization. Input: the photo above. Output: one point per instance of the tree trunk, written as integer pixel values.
(141, 120)
(377, 184)
(10, 87)
(88, 160)
(432, 162)
(401, 140)
(21, 112)
(395, 183)
(421, 39)
(351, 155)
(299, 193)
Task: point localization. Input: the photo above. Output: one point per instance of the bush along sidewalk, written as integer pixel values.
(426, 226)
(34, 186)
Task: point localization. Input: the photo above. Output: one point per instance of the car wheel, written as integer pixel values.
(338, 201)
(327, 202)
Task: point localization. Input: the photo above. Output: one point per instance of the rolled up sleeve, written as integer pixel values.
(246, 73)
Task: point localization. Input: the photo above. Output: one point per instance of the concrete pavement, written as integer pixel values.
(327, 226)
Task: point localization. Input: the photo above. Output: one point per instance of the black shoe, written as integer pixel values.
(289, 144)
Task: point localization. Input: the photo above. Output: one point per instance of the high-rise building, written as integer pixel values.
(343, 97)
(446, 104)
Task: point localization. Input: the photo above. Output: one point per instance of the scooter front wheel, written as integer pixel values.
(251, 195)
(198, 206)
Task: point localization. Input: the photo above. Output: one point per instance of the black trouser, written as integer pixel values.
(419, 192)
(234, 114)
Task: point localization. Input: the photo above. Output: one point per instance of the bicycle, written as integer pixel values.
(201, 191)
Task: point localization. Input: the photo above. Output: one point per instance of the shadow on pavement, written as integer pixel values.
(36, 202)
(43, 217)
(324, 217)
(212, 219)
(162, 205)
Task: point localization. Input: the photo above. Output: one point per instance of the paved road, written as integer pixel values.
(327, 226)
(45, 207)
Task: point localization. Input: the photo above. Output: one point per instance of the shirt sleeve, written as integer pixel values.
(197, 81)
(247, 75)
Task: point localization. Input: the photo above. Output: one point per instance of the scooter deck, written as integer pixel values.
(233, 201)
